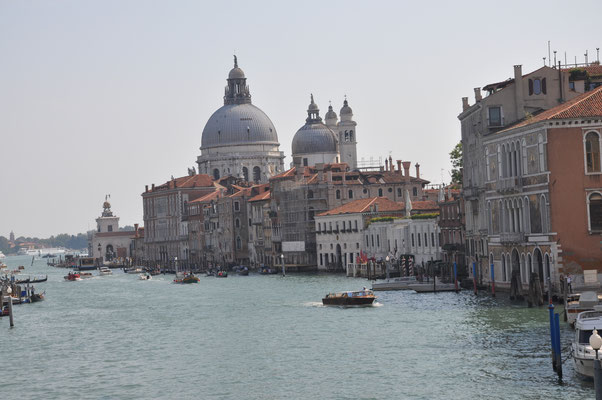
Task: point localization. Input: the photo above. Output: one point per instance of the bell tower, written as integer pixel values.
(347, 136)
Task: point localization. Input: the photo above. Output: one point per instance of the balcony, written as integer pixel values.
(509, 185)
(510, 238)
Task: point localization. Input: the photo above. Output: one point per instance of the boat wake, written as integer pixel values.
(313, 304)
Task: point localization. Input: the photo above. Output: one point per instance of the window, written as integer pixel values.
(245, 173)
(592, 152)
(338, 194)
(237, 223)
(380, 193)
(110, 228)
(390, 190)
(414, 191)
(432, 239)
(305, 162)
(319, 227)
(495, 116)
(367, 241)
(412, 240)
(595, 211)
(540, 147)
(256, 174)
(418, 240)
(351, 194)
(426, 240)
(215, 174)
(310, 194)
(537, 86)
(372, 240)
(236, 206)
(399, 192)
(238, 243)
(357, 245)
(356, 224)
(377, 240)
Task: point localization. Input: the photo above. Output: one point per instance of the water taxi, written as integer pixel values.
(583, 354)
(351, 298)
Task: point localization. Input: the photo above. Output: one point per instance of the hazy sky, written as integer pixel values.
(102, 97)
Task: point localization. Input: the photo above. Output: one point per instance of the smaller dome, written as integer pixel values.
(236, 73)
(346, 109)
(314, 138)
(330, 114)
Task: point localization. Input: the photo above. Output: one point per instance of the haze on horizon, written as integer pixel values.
(105, 97)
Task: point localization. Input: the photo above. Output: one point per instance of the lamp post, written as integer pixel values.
(596, 342)
(100, 252)
(387, 267)
(283, 267)
(9, 290)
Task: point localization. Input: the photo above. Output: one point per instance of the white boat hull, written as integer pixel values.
(429, 288)
(393, 285)
(584, 367)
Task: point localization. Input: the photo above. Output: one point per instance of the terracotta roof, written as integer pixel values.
(425, 205)
(592, 69)
(198, 180)
(589, 104)
(363, 205)
(261, 196)
(241, 192)
(208, 197)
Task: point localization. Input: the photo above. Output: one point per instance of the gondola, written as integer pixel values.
(29, 280)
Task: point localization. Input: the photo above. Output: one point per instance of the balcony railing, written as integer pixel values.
(509, 185)
(512, 237)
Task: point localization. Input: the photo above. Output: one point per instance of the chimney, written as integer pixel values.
(477, 94)
(153, 188)
(406, 170)
(518, 91)
(136, 229)
(146, 188)
(399, 166)
(465, 105)
(391, 168)
(298, 166)
(386, 164)
(417, 171)
(320, 169)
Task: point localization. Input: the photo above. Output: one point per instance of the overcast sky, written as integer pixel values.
(104, 97)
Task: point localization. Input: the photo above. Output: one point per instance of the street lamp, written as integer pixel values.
(596, 342)
(100, 252)
(283, 268)
(387, 258)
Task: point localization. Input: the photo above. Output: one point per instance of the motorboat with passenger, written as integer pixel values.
(103, 271)
(73, 276)
(350, 298)
(583, 354)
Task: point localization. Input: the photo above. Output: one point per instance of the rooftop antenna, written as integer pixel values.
(585, 57)
(549, 54)
(544, 61)
(565, 58)
(554, 58)
(598, 54)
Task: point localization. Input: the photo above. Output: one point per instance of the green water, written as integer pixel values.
(268, 337)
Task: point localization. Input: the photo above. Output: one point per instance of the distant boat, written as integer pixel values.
(359, 298)
(35, 297)
(105, 271)
(190, 278)
(145, 277)
(221, 274)
(2, 255)
(73, 276)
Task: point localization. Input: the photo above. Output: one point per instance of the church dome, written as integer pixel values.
(236, 73)
(314, 138)
(238, 124)
(346, 110)
(330, 114)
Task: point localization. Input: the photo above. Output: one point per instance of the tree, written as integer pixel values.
(456, 159)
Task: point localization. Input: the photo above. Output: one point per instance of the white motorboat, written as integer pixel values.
(395, 284)
(583, 354)
(579, 302)
(105, 271)
(135, 270)
(433, 286)
(145, 277)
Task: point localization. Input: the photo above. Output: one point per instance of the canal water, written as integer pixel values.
(269, 337)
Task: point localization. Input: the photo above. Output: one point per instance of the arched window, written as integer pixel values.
(338, 194)
(543, 207)
(237, 223)
(216, 174)
(541, 154)
(238, 243)
(546, 269)
(351, 136)
(487, 162)
(245, 173)
(380, 193)
(350, 194)
(256, 174)
(594, 201)
(524, 154)
(592, 152)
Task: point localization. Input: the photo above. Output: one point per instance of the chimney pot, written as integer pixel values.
(146, 188)
(399, 166)
(465, 105)
(406, 170)
(153, 188)
(477, 94)
(417, 171)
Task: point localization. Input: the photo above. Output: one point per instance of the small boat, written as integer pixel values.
(35, 297)
(73, 276)
(221, 274)
(136, 270)
(145, 277)
(243, 271)
(583, 354)
(34, 280)
(190, 278)
(85, 275)
(579, 302)
(395, 284)
(102, 271)
(347, 299)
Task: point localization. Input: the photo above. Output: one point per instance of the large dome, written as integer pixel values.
(314, 138)
(238, 124)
